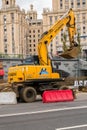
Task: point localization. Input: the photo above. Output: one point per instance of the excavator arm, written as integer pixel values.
(67, 20)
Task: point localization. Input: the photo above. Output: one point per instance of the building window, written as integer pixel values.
(4, 18)
(33, 31)
(61, 34)
(12, 17)
(84, 29)
(39, 23)
(29, 23)
(83, 2)
(7, 2)
(51, 45)
(38, 31)
(33, 23)
(72, 4)
(5, 29)
(50, 18)
(39, 35)
(34, 40)
(5, 51)
(61, 5)
(30, 50)
(84, 18)
(5, 40)
(56, 18)
(30, 41)
(78, 3)
(29, 31)
(51, 50)
(30, 17)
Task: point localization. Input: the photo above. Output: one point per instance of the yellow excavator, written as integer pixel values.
(36, 74)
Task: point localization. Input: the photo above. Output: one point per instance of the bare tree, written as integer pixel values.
(64, 40)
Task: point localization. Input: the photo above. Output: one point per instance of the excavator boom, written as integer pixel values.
(67, 20)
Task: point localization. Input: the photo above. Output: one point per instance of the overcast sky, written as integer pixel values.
(38, 5)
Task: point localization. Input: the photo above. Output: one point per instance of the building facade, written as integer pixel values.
(19, 31)
(35, 30)
(59, 8)
(13, 27)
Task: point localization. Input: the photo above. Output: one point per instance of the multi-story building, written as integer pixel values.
(13, 27)
(19, 31)
(35, 30)
(59, 8)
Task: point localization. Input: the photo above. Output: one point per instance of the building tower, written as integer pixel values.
(35, 30)
(8, 3)
(13, 27)
(32, 14)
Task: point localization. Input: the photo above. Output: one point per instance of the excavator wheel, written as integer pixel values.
(71, 53)
(28, 94)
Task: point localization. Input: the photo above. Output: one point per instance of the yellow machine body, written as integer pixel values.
(29, 72)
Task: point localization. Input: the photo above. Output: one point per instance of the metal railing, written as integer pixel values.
(11, 56)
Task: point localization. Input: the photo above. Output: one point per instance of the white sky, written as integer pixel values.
(38, 5)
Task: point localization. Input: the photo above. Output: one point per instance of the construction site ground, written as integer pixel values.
(69, 81)
(79, 95)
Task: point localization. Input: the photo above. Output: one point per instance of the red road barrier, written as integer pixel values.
(1, 72)
(57, 96)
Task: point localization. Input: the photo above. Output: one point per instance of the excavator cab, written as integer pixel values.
(71, 53)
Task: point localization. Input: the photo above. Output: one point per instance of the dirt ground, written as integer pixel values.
(5, 86)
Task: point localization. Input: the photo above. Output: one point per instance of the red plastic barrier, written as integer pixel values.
(57, 96)
(1, 72)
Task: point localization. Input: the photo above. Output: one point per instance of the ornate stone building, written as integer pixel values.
(59, 8)
(13, 27)
(35, 30)
(19, 31)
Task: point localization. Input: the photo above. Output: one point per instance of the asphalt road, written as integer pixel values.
(45, 116)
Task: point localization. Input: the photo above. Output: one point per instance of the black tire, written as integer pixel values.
(28, 94)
